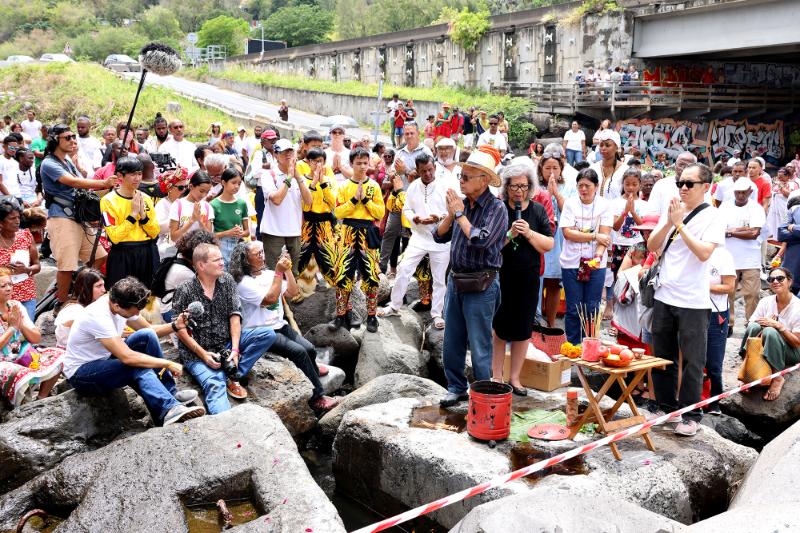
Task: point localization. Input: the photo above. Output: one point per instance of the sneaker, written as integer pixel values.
(236, 390)
(372, 323)
(322, 370)
(658, 414)
(338, 323)
(421, 307)
(388, 311)
(181, 413)
(186, 396)
(686, 429)
(714, 409)
(324, 403)
(451, 398)
(352, 320)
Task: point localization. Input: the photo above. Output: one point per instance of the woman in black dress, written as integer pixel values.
(528, 237)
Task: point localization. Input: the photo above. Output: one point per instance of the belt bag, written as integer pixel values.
(466, 282)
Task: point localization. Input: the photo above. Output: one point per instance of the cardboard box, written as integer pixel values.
(541, 376)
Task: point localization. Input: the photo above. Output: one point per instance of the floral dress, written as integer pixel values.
(23, 365)
(24, 290)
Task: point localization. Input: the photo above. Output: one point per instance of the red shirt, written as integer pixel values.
(764, 187)
(400, 117)
(24, 290)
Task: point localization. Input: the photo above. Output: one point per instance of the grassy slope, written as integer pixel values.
(65, 91)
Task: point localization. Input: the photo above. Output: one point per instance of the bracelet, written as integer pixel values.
(279, 275)
(679, 229)
(234, 350)
(174, 326)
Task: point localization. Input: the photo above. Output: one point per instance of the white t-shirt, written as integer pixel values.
(69, 313)
(91, 150)
(575, 139)
(613, 186)
(425, 200)
(252, 291)
(789, 317)
(684, 279)
(662, 194)
(746, 252)
(9, 169)
(627, 236)
(588, 218)
(724, 191)
(344, 158)
(285, 220)
(31, 128)
(95, 323)
(182, 209)
(182, 151)
(497, 140)
(178, 275)
(720, 264)
(27, 183)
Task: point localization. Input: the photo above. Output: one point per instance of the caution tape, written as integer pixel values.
(541, 465)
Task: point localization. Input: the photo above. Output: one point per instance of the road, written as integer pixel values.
(248, 106)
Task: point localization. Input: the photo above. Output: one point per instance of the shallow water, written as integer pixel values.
(525, 454)
(43, 525)
(434, 417)
(207, 519)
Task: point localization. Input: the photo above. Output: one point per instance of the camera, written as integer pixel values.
(164, 162)
(231, 370)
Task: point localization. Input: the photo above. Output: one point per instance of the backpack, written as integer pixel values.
(160, 277)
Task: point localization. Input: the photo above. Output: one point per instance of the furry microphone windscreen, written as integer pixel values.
(159, 59)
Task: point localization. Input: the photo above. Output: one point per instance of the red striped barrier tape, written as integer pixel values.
(541, 465)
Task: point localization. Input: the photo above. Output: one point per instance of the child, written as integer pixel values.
(626, 311)
(661, 161)
(430, 128)
(231, 222)
(192, 211)
(318, 236)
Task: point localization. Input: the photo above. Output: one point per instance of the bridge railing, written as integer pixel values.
(557, 97)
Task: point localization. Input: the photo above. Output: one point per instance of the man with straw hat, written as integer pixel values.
(476, 230)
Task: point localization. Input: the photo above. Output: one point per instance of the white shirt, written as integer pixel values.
(27, 183)
(683, 280)
(182, 151)
(178, 274)
(746, 252)
(497, 140)
(575, 139)
(68, 314)
(252, 291)
(32, 128)
(9, 170)
(662, 194)
(286, 219)
(91, 150)
(152, 145)
(424, 200)
(613, 186)
(95, 323)
(724, 191)
(626, 236)
(182, 209)
(789, 317)
(254, 166)
(587, 218)
(344, 157)
(720, 264)
(240, 144)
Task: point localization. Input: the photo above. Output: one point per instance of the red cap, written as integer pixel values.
(269, 134)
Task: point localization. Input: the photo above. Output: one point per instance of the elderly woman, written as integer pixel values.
(586, 224)
(23, 365)
(609, 167)
(528, 237)
(18, 253)
(777, 320)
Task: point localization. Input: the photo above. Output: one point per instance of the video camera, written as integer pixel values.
(164, 162)
(231, 370)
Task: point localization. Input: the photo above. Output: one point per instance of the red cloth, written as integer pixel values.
(443, 125)
(764, 186)
(24, 290)
(400, 117)
(105, 172)
(456, 124)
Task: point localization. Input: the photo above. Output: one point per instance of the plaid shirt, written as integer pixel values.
(481, 251)
(213, 330)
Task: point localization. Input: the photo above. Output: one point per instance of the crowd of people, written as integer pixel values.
(220, 231)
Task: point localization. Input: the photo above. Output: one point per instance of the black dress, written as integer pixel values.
(519, 278)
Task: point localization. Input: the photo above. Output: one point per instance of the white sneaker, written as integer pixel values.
(181, 413)
(686, 429)
(388, 311)
(186, 396)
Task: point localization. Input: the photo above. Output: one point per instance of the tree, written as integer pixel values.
(224, 31)
(303, 24)
(107, 41)
(159, 23)
(351, 19)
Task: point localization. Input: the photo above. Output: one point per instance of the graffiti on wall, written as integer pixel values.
(753, 74)
(713, 139)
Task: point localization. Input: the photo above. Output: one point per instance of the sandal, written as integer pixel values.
(438, 323)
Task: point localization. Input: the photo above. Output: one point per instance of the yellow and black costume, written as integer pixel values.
(318, 236)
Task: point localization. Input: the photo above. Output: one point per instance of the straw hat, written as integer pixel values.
(485, 162)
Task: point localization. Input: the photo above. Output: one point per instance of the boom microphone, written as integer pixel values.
(195, 311)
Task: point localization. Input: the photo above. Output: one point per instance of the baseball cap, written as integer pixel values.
(743, 184)
(337, 127)
(227, 134)
(241, 128)
(282, 145)
(269, 134)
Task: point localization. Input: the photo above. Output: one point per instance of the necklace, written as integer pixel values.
(4, 241)
(607, 177)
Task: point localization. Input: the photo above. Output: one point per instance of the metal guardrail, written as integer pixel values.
(570, 97)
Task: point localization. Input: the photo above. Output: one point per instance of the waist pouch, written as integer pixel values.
(466, 282)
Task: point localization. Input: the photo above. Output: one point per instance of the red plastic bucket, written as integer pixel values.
(489, 415)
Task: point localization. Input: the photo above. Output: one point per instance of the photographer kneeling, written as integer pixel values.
(210, 348)
(99, 360)
(261, 291)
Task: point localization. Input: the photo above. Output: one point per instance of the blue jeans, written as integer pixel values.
(253, 343)
(226, 246)
(30, 307)
(468, 318)
(715, 349)
(574, 156)
(580, 295)
(99, 377)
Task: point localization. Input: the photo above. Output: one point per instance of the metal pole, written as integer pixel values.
(262, 36)
(378, 110)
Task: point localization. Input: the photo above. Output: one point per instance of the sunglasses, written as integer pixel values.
(493, 123)
(181, 187)
(687, 184)
(776, 279)
(337, 133)
(518, 187)
(69, 137)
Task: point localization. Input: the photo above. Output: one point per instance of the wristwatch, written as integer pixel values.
(458, 214)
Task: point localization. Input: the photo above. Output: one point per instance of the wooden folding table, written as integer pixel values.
(594, 413)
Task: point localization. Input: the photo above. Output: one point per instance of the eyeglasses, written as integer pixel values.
(518, 187)
(181, 187)
(493, 123)
(551, 155)
(687, 184)
(776, 279)
(337, 132)
(464, 177)
(69, 137)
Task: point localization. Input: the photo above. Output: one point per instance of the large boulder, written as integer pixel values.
(395, 348)
(146, 482)
(45, 277)
(320, 307)
(47, 326)
(684, 479)
(379, 390)
(556, 509)
(37, 436)
(344, 344)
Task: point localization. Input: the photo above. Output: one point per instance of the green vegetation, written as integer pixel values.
(590, 7)
(298, 25)
(224, 31)
(64, 91)
(466, 28)
(515, 109)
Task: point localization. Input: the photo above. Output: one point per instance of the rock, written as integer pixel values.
(683, 480)
(173, 108)
(143, 483)
(380, 389)
(434, 342)
(733, 429)
(540, 120)
(344, 345)
(761, 519)
(320, 307)
(37, 436)
(44, 278)
(554, 509)
(395, 348)
(47, 326)
(334, 380)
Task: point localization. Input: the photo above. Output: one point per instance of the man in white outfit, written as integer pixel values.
(425, 205)
(178, 147)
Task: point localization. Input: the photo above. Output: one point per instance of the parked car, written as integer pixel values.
(20, 59)
(122, 63)
(56, 58)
